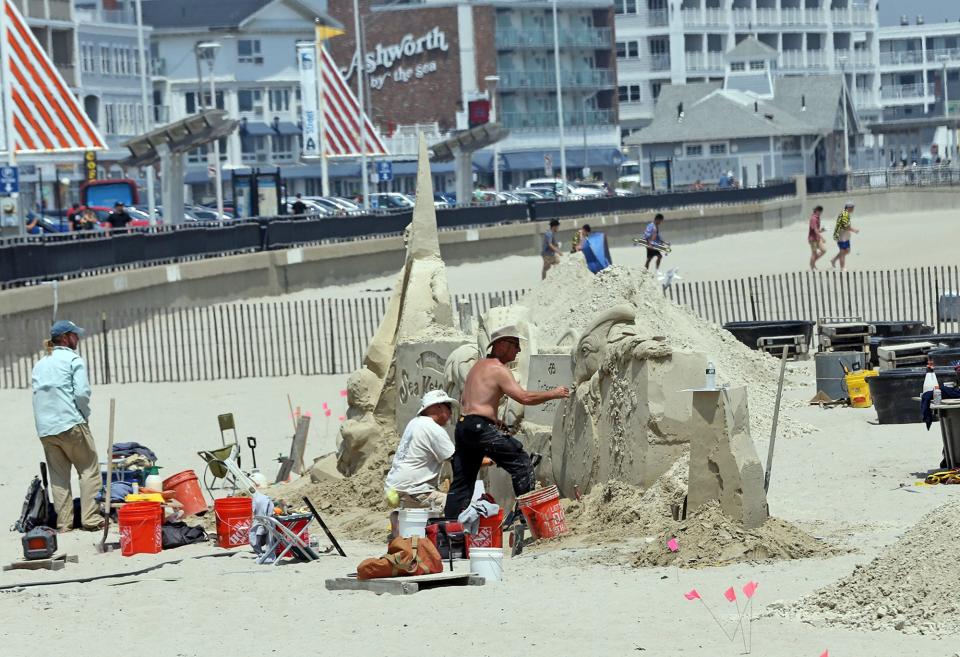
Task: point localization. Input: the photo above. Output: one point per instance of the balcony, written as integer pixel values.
(944, 55)
(161, 114)
(112, 16)
(792, 60)
(705, 17)
(548, 120)
(861, 59)
(598, 37)
(915, 92)
(704, 61)
(158, 66)
(849, 16)
(742, 17)
(585, 79)
(658, 18)
(767, 17)
(905, 58)
(816, 59)
(68, 72)
(659, 62)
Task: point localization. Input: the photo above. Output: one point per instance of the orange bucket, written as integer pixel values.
(186, 490)
(543, 512)
(234, 519)
(140, 531)
(489, 534)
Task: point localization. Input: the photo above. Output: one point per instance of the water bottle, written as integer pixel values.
(711, 383)
(937, 395)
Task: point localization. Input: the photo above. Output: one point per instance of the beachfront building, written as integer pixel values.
(664, 42)
(920, 79)
(480, 53)
(754, 123)
(252, 46)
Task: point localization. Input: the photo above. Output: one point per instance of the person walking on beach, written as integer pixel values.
(61, 407)
(550, 250)
(652, 237)
(841, 233)
(479, 434)
(818, 247)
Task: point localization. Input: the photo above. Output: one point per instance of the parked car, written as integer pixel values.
(590, 189)
(313, 207)
(564, 190)
(527, 194)
(391, 201)
(204, 213)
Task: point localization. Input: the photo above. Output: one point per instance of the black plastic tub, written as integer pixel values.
(897, 329)
(750, 332)
(945, 357)
(893, 392)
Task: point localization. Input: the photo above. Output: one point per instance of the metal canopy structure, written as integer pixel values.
(168, 144)
(903, 137)
(460, 149)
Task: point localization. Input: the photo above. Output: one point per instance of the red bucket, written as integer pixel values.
(140, 528)
(234, 518)
(297, 523)
(489, 534)
(186, 490)
(543, 512)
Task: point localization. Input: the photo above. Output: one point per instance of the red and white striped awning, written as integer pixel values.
(47, 118)
(342, 133)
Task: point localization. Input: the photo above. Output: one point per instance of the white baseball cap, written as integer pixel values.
(435, 397)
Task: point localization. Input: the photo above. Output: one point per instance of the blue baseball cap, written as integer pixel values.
(65, 326)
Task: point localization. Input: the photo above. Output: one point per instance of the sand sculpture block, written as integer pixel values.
(546, 371)
(723, 462)
(629, 422)
(419, 369)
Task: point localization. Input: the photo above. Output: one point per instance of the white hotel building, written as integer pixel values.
(678, 41)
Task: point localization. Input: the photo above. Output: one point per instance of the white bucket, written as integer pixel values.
(413, 522)
(487, 562)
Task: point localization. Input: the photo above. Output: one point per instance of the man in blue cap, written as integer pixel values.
(61, 406)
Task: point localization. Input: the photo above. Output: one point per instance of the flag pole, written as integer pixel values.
(361, 119)
(9, 137)
(322, 111)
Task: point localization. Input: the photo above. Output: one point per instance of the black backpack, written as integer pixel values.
(37, 510)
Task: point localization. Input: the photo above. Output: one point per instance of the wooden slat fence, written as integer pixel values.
(225, 341)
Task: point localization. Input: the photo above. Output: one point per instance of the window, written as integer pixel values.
(248, 51)
(758, 65)
(119, 62)
(279, 100)
(718, 149)
(625, 6)
(87, 58)
(694, 150)
(621, 49)
(191, 101)
(253, 148)
(737, 66)
(655, 87)
(110, 119)
(628, 49)
(629, 93)
(250, 101)
(106, 66)
(282, 148)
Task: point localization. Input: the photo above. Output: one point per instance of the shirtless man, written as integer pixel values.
(478, 432)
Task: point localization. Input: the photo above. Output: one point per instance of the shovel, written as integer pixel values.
(252, 444)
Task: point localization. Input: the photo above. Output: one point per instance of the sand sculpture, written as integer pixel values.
(407, 354)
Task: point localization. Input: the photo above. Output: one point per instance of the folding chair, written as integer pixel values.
(281, 536)
(222, 464)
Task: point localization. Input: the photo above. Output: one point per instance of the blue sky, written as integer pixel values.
(933, 11)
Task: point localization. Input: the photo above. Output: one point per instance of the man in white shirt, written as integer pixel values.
(414, 477)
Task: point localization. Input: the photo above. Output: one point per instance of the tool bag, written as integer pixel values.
(448, 537)
(405, 556)
(37, 510)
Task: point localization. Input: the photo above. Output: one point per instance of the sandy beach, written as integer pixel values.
(842, 479)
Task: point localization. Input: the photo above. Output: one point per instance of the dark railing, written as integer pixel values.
(63, 255)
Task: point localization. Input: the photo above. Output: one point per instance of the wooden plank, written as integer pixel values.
(56, 562)
(404, 585)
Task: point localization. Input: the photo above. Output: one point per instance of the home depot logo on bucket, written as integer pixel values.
(238, 532)
(543, 512)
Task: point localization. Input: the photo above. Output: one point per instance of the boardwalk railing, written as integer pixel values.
(227, 341)
(903, 294)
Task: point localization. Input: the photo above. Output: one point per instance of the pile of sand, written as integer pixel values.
(909, 587)
(709, 538)
(571, 297)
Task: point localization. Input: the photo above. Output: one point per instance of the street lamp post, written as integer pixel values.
(846, 128)
(492, 81)
(556, 68)
(210, 47)
(147, 122)
(364, 177)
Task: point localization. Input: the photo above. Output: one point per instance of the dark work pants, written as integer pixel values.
(476, 437)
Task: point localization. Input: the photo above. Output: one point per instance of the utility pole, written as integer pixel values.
(147, 123)
(556, 68)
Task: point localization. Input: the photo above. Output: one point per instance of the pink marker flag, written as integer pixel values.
(343, 393)
(342, 418)
(692, 595)
(324, 405)
(730, 595)
(826, 653)
(327, 412)
(749, 589)
(307, 414)
(673, 545)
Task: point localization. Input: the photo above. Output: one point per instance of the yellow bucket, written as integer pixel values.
(857, 388)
